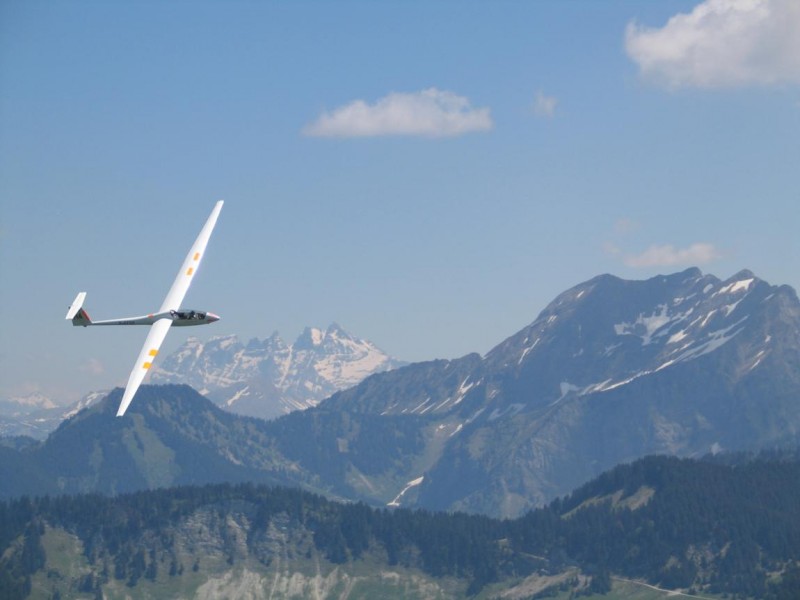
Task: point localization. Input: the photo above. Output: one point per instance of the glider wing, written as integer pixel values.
(190, 264)
(159, 329)
(155, 337)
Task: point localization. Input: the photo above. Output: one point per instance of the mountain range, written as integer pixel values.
(612, 370)
(36, 415)
(263, 378)
(268, 378)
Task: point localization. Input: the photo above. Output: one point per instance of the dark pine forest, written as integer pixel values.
(719, 525)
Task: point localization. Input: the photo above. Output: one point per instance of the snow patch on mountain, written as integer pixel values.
(528, 349)
(653, 325)
(736, 286)
(409, 485)
(85, 402)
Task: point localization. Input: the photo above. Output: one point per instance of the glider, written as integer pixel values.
(168, 315)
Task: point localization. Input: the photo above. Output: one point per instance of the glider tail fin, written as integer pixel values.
(76, 312)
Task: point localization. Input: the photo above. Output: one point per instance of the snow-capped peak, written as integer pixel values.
(268, 377)
(34, 400)
(608, 332)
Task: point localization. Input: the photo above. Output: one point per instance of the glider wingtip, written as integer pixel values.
(126, 400)
(123, 406)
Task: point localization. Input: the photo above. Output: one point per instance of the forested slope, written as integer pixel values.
(705, 526)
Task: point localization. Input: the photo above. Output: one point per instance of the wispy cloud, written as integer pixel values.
(625, 226)
(544, 106)
(428, 113)
(93, 366)
(721, 43)
(668, 255)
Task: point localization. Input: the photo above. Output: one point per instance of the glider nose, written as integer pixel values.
(212, 317)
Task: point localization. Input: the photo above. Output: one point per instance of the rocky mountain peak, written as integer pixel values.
(309, 339)
(35, 400)
(640, 326)
(314, 337)
(266, 378)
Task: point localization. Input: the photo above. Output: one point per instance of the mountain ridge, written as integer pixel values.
(610, 371)
(738, 535)
(262, 378)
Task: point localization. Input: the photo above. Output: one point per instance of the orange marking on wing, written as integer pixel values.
(153, 352)
(147, 365)
(196, 255)
(189, 271)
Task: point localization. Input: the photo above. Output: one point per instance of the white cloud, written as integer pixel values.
(667, 256)
(721, 43)
(429, 113)
(544, 106)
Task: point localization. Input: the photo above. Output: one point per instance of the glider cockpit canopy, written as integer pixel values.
(185, 314)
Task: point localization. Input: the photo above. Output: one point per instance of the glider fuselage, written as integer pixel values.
(179, 318)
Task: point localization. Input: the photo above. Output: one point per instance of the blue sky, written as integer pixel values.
(427, 174)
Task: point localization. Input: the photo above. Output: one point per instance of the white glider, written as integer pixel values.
(169, 314)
